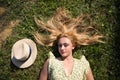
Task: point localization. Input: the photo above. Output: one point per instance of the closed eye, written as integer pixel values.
(64, 44)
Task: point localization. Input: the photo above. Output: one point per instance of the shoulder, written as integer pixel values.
(82, 60)
(46, 63)
(44, 71)
(83, 57)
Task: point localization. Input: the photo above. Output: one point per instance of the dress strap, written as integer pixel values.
(51, 60)
(51, 55)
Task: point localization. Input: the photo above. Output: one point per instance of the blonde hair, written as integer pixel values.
(63, 25)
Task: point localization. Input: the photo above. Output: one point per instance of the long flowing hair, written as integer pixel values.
(80, 29)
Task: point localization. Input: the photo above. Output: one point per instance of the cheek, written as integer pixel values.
(70, 48)
(59, 49)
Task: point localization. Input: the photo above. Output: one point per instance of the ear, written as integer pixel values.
(73, 46)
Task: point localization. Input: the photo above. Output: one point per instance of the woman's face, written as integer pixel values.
(65, 47)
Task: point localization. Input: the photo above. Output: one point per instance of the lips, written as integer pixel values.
(62, 52)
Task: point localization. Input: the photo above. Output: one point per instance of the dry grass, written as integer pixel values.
(4, 34)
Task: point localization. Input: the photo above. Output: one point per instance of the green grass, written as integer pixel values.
(102, 57)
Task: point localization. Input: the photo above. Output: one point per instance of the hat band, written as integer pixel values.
(29, 54)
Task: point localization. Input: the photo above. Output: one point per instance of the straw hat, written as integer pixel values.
(23, 53)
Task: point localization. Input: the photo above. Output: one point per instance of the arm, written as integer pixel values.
(89, 75)
(44, 71)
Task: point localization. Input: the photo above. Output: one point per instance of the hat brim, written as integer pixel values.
(30, 60)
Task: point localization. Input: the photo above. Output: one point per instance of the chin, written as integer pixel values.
(64, 55)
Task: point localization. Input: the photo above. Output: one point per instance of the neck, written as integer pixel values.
(69, 58)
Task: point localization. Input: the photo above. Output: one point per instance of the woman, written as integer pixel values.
(67, 33)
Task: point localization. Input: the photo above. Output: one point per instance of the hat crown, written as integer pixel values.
(21, 51)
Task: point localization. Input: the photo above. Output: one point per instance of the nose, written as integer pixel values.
(62, 47)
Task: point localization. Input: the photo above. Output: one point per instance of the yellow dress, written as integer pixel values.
(56, 70)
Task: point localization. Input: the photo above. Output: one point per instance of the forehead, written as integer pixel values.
(64, 40)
